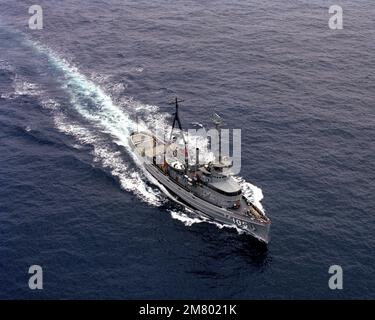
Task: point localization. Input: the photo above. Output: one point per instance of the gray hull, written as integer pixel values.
(222, 215)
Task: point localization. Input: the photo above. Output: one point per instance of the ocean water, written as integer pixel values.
(74, 201)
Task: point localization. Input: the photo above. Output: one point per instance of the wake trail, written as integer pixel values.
(95, 106)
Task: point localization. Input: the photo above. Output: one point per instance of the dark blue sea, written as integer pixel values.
(74, 201)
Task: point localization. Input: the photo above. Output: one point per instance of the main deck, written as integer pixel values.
(150, 147)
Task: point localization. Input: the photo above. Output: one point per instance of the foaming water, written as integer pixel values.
(188, 217)
(130, 180)
(185, 218)
(21, 87)
(251, 192)
(94, 105)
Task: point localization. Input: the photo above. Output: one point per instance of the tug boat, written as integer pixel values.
(209, 189)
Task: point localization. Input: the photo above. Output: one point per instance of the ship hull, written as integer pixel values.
(248, 224)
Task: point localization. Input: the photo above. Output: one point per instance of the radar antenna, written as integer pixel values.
(218, 122)
(177, 119)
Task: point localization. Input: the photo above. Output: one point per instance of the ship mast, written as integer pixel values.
(218, 121)
(176, 119)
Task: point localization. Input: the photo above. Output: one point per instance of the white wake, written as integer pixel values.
(97, 107)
